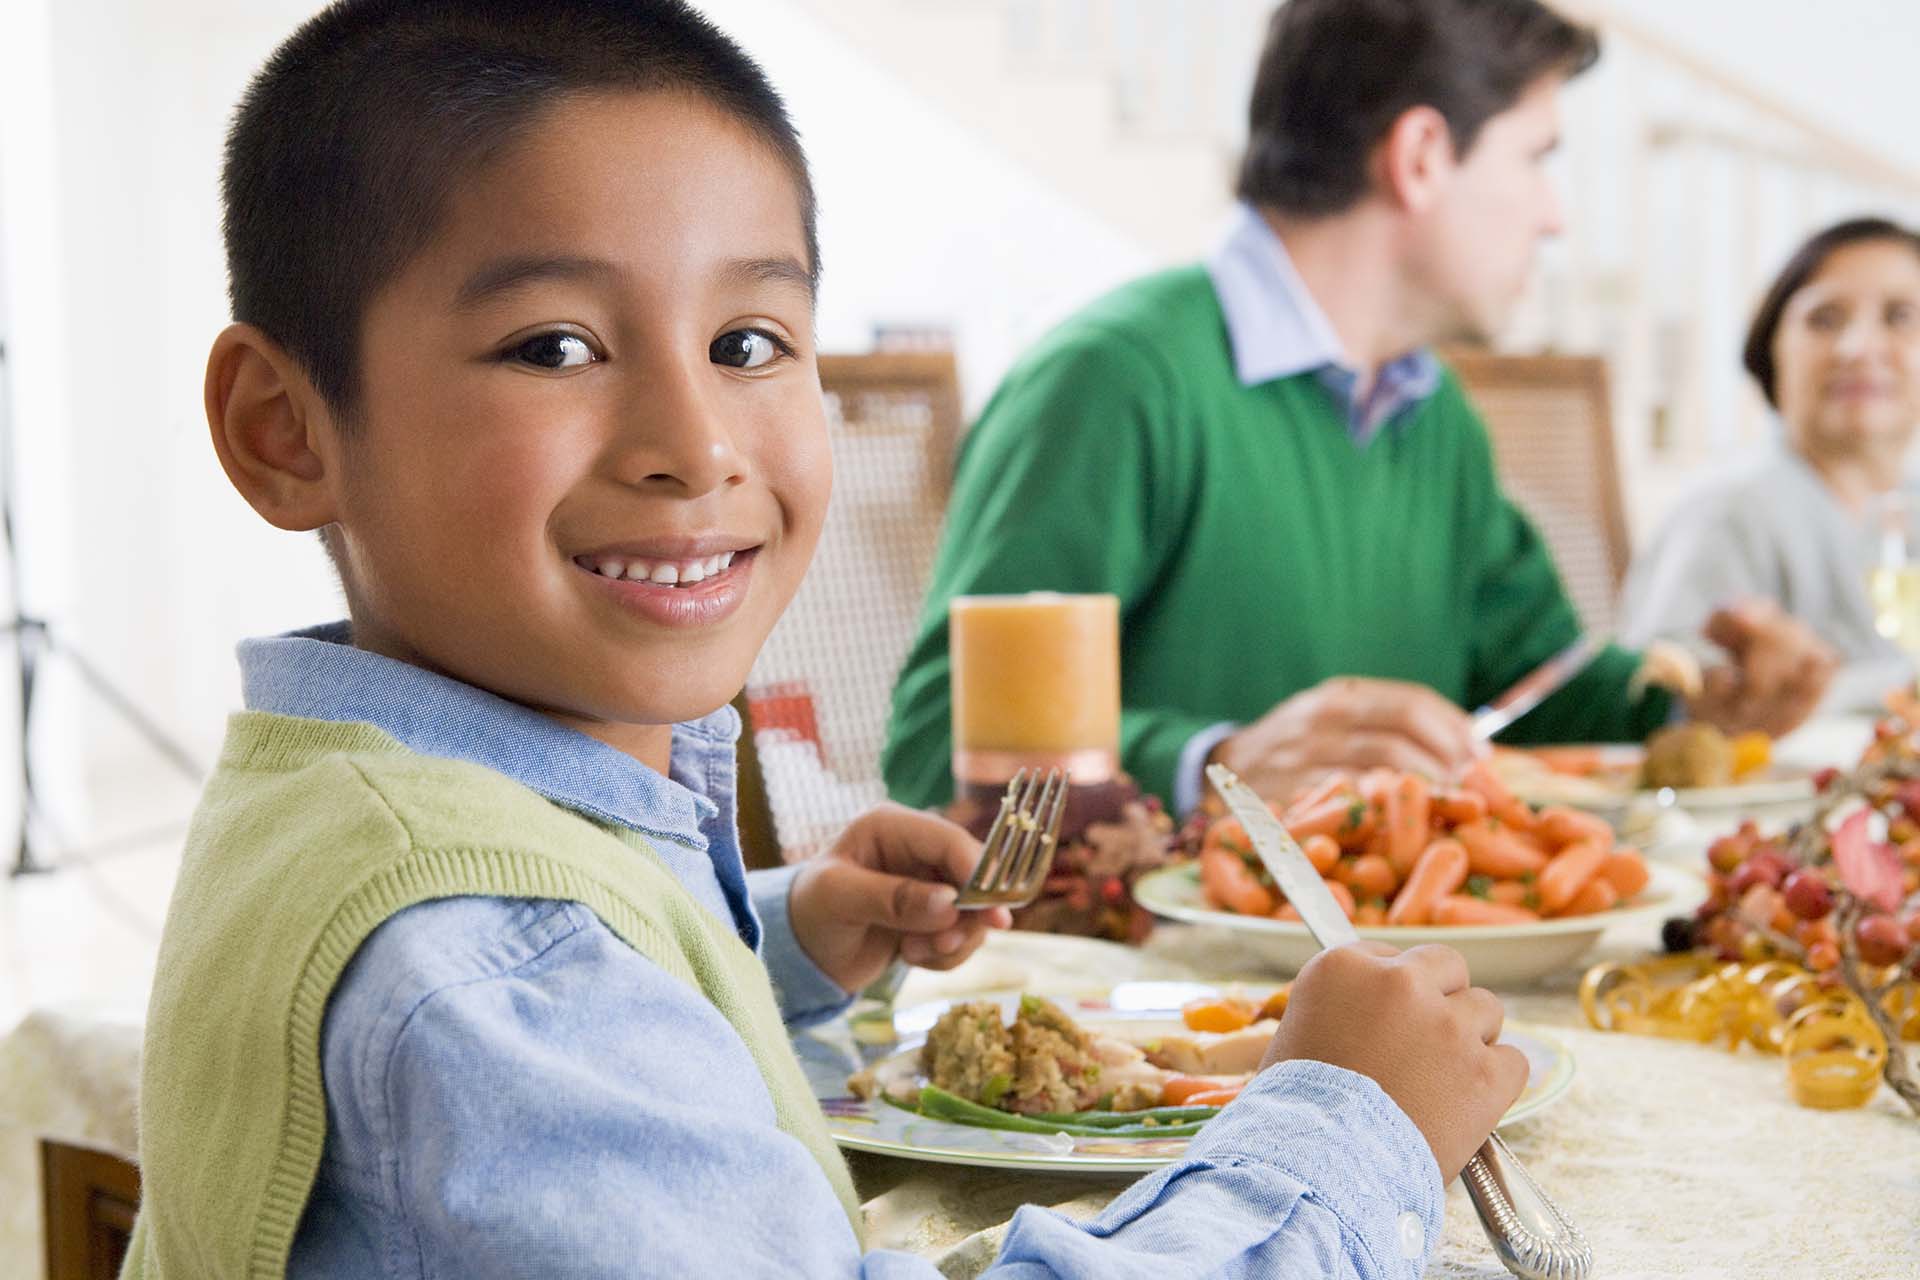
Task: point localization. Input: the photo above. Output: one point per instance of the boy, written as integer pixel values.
(460, 976)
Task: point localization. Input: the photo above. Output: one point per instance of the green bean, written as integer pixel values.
(937, 1104)
(1128, 1119)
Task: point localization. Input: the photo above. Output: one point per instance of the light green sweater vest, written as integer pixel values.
(309, 836)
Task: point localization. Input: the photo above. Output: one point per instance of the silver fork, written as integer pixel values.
(1020, 843)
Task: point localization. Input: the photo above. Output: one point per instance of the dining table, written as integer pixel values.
(1676, 1159)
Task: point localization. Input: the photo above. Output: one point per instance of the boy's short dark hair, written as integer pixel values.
(1802, 267)
(345, 148)
(1336, 74)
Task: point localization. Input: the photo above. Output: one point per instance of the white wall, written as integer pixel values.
(111, 118)
(112, 114)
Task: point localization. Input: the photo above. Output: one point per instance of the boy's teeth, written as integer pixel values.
(683, 573)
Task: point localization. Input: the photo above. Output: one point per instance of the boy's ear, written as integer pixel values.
(274, 434)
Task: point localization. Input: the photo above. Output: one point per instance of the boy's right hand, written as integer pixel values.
(1410, 1021)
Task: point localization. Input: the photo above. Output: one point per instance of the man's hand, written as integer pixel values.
(886, 889)
(1779, 671)
(1349, 724)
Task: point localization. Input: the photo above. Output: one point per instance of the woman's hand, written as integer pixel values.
(1779, 672)
(886, 889)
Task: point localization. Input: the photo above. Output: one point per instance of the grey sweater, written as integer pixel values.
(1772, 530)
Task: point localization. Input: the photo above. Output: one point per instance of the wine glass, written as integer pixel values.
(1893, 572)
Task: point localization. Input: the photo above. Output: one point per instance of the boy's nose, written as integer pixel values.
(673, 432)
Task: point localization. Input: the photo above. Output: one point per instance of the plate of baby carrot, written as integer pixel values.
(1520, 891)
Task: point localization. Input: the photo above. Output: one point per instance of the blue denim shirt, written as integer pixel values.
(514, 1092)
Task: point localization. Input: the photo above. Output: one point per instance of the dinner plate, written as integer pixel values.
(1497, 954)
(1611, 793)
(1135, 1010)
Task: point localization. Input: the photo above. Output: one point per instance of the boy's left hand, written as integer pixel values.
(886, 889)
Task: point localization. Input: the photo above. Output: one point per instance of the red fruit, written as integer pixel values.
(1825, 778)
(1807, 894)
(1728, 852)
(1764, 867)
(1909, 794)
(1882, 939)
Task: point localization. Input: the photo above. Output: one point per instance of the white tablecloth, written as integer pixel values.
(1677, 1160)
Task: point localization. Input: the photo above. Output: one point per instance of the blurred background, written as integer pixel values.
(984, 167)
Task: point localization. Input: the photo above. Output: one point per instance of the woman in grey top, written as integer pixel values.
(1835, 347)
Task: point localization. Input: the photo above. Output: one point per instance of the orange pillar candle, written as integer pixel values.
(1036, 682)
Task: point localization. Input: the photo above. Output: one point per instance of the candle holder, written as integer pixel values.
(1036, 685)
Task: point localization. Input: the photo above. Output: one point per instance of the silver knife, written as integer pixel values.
(1533, 688)
(1530, 1235)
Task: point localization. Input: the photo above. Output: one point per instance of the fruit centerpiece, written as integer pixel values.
(1808, 943)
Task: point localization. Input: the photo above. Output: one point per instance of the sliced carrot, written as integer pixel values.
(1628, 872)
(1569, 871)
(1228, 882)
(1371, 876)
(1579, 761)
(1214, 1097)
(1227, 833)
(1495, 850)
(1596, 895)
(1405, 809)
(1370, 913)
(1512, 893)
(1322, 851)
(1501, 803)
(1217, 1013)
(1461, 908)
(1344, 816)
(1440, 870)
(1341, 895)
(1178, 1089)
(1557, 825)
(1456, 807)
(1325, 789)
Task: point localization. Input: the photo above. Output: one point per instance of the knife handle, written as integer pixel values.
(1530, 1235)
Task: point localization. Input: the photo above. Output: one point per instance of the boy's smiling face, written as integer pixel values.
(600, 369)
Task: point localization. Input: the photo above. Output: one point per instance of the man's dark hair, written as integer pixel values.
(1336, 74)
(1803, 266)
(348, 143)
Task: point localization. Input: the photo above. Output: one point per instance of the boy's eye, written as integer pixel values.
(554, 351)
(746, 349)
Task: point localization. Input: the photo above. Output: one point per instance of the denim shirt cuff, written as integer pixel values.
(1188, 784)
(807, 994)
(1375, 1171)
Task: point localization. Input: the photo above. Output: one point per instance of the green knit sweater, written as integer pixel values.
(1255, 549)
(309, 836)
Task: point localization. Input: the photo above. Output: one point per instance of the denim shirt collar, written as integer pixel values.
(1278, 330)
(318, 674)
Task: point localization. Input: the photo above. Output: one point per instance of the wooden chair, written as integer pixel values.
(91, 1198)
(816, 703)
(1552, 431)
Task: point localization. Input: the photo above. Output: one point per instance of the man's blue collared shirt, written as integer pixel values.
(512, 1091)
(1277, 330)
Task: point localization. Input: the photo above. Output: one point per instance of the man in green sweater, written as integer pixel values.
(1291, 497)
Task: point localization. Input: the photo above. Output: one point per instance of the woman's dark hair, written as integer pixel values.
(1336, 74)
(349, 141)
(1803, 266)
